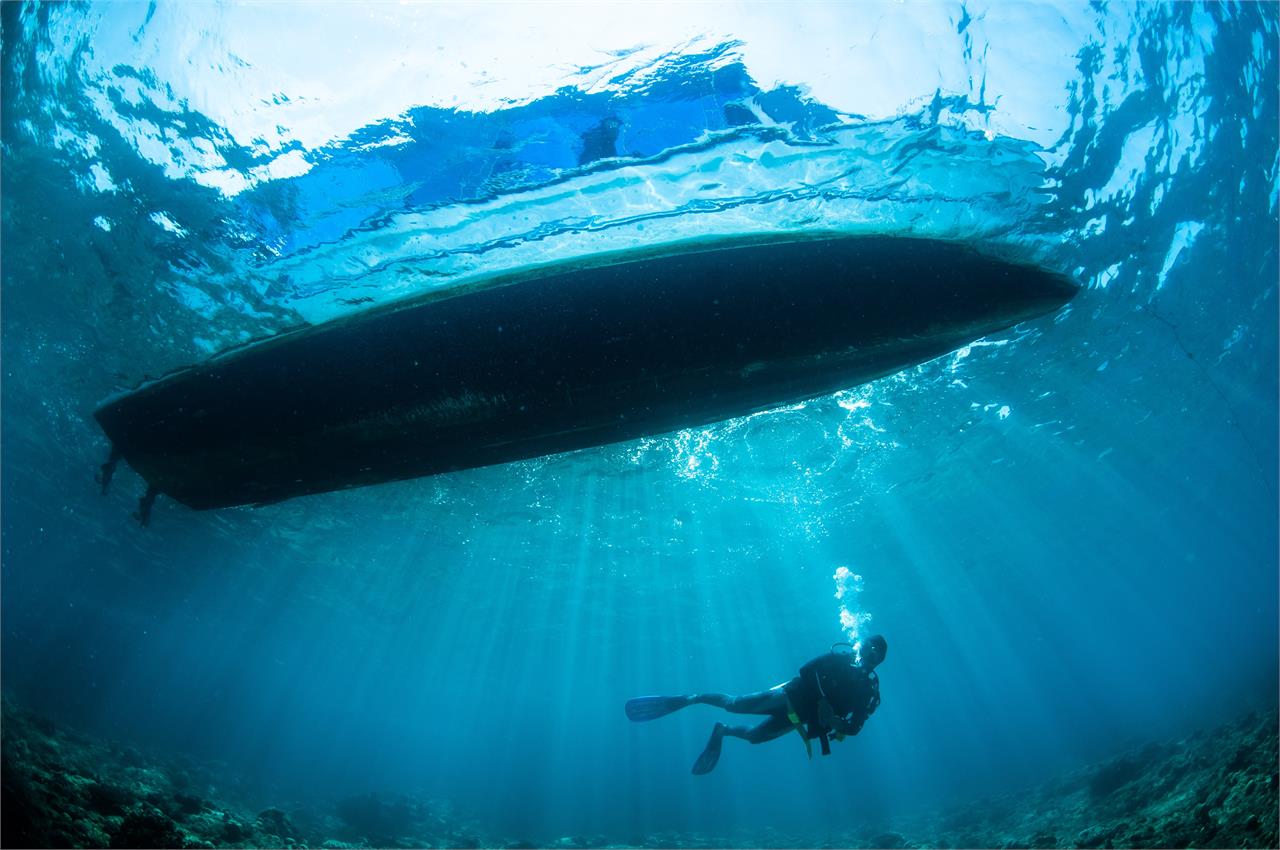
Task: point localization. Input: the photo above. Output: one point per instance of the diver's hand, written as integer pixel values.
(841, 728)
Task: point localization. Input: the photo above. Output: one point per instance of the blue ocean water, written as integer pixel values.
(1067, 532)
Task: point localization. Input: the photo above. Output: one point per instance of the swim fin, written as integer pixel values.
(711, 755)
(651, 708)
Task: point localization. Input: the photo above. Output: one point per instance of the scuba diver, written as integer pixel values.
(831, 698)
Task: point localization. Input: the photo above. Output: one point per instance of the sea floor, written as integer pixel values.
(1214, 788)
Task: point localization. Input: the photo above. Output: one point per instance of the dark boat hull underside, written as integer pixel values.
(562, 358)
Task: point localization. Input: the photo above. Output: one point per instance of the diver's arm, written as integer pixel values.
(838, 724)
(850, 724)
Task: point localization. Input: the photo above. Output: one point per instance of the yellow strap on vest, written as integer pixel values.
(799, 727)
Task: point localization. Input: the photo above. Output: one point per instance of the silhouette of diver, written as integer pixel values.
(831, 698)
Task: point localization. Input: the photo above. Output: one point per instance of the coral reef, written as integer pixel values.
(61, 789)
(1214, 788)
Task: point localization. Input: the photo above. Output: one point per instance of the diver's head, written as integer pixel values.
(871, 651)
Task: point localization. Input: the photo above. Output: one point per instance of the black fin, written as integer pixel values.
(641, 709)
(711, 755)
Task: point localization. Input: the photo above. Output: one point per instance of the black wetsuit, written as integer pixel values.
(852, 692)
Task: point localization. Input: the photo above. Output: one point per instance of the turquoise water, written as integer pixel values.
(1067, 532)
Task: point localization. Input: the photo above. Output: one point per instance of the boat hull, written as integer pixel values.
(562, 358)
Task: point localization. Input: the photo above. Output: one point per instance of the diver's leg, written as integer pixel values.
(772, 701)
(774, 727)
